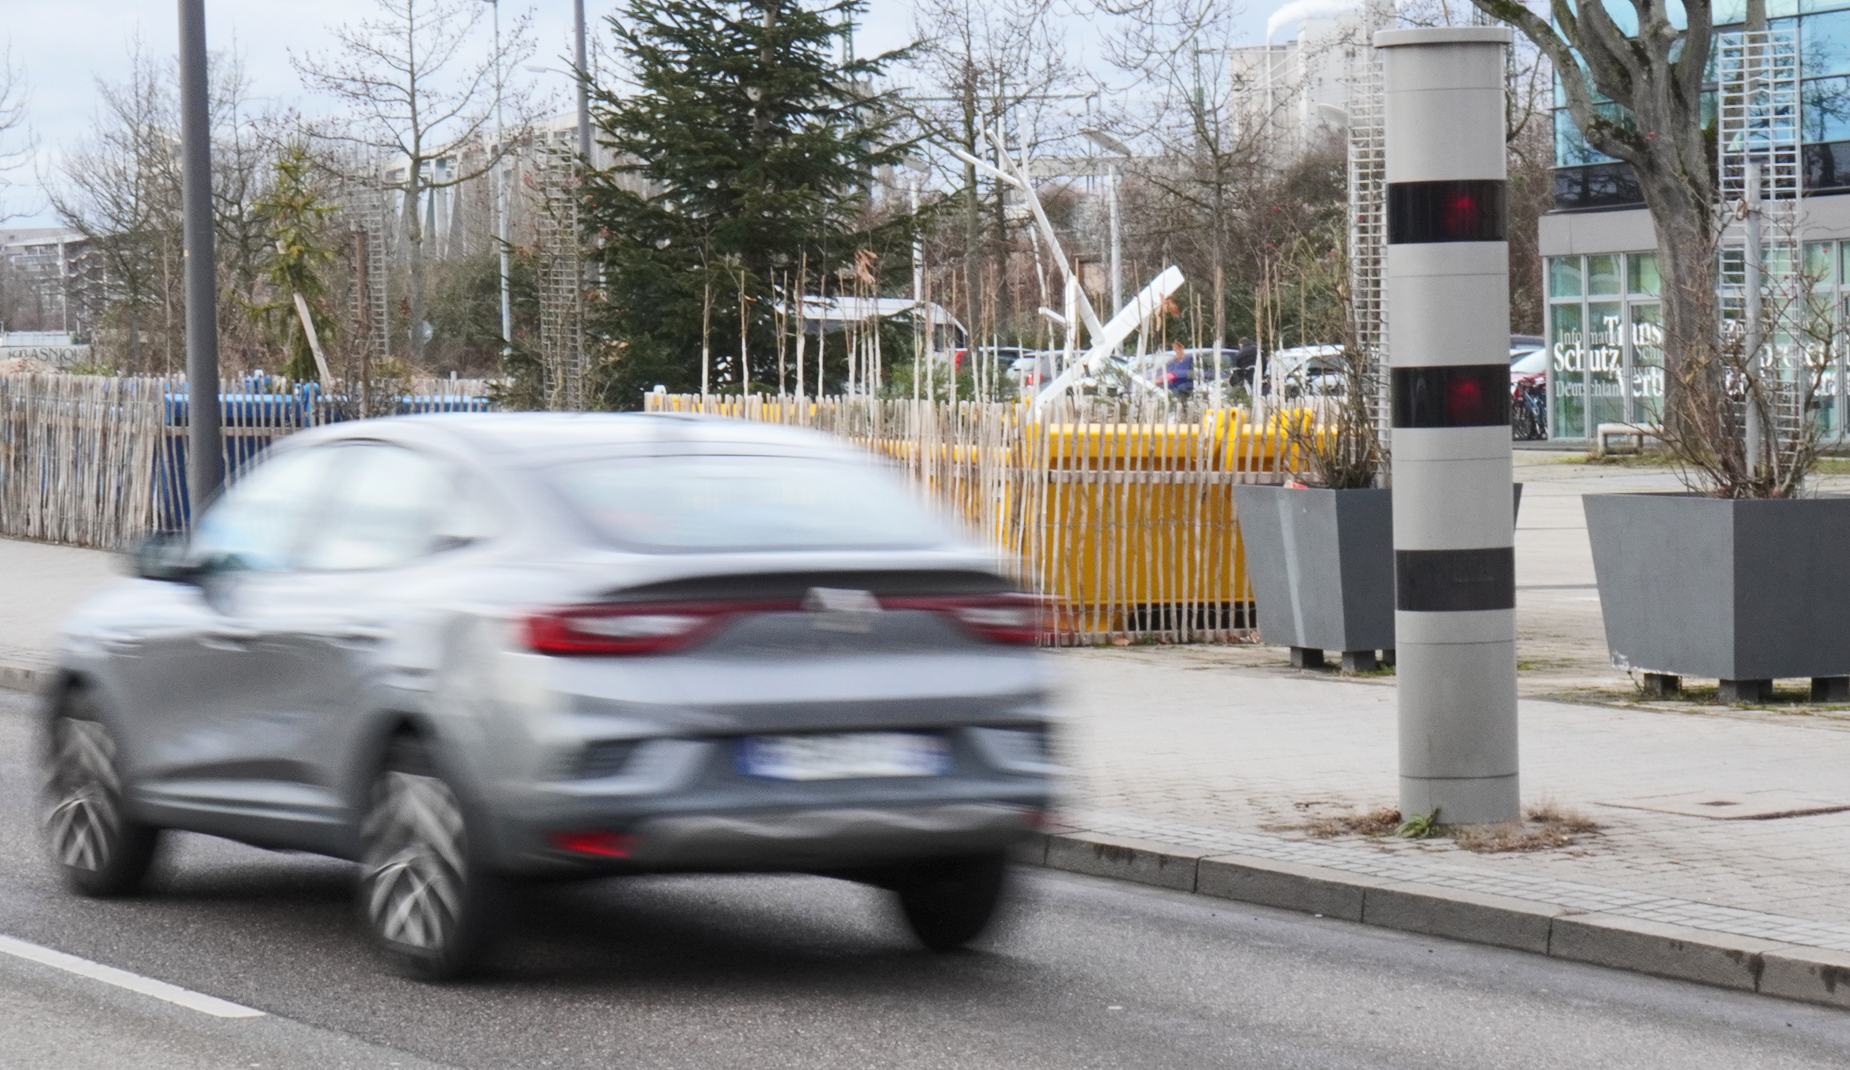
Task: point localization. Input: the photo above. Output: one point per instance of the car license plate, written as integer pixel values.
(844, 755)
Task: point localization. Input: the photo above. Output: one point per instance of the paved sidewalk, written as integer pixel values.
(39, 584)
(1172, 752)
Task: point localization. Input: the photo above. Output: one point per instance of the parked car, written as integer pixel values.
(1031, 370)
(1305, 371)
(1526, 361)
(464, 650)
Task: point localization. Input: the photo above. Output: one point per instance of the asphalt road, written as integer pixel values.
(768, 972)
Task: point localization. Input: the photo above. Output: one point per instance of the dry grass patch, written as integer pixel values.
(1381, 821)
(1549, 825)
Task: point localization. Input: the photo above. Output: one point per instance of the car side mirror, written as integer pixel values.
(162, 556)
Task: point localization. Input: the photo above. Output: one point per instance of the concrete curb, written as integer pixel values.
(29, 678)
(1786, 971)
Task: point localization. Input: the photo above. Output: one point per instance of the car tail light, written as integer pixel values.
(632, 628)
(599, 844)
(999, 618)
(659, 627)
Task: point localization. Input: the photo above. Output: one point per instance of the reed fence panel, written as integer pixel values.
(93, 460)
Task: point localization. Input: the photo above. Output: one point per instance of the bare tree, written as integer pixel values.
(15, 144)
(993, 70)
(412, 87)
(1224, 191)
(120, 189)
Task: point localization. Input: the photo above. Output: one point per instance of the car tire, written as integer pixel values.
(949, 902)
(100, 850)
(426, 902)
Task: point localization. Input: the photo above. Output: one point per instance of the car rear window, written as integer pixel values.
(716, 503)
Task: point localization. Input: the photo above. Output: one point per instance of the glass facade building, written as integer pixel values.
(1604, 320)
(1588, 179)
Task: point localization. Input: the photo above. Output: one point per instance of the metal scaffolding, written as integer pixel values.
(367, 210)
(1368, 215)
(560, 253)
(1763, 285)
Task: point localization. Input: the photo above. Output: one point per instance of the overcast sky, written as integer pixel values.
(64, 46)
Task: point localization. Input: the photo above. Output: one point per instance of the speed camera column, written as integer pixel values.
(1448, 345)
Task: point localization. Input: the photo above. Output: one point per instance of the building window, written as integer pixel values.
(1605, 342)
(1600, 185)
(1606, 360)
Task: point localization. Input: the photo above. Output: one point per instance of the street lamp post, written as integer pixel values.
(205, 466)
(922, 312)
(584, 81)
(507, 301)
(1448, 344)
(1119, 150)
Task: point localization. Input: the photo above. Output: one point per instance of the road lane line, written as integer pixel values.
(134, 982)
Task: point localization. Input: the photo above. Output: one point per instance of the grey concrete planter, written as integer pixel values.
(1746, 592)
(1322, 568)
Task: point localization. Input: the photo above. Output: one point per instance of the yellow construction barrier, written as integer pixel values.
(1128, 525)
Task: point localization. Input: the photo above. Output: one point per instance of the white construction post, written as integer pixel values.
(1448, 347)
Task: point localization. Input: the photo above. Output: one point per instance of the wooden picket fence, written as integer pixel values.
(94, 460)
(77, 457)
(1121, 510)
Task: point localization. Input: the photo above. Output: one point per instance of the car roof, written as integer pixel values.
(515, 438)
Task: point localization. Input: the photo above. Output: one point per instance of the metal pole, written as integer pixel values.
(1756, 432)
(507, 306)
(507, 300)
(921, 313)
(1117, 250)
(205, 464)
(584, 81)
(1448, 345)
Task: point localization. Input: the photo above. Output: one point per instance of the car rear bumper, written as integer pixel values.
(831, 838)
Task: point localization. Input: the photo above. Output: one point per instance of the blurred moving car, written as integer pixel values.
(469, 649)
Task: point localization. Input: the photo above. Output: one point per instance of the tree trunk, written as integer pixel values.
(1685, 251)
(414, 238)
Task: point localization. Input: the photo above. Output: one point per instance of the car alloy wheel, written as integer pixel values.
(425, 904)
(100, 850)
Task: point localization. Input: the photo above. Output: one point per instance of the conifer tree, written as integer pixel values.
(296, 269)
(746, 148)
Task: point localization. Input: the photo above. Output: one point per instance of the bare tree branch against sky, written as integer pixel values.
(61, 46)
(15, 138)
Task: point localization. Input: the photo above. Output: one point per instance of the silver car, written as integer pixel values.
(473, 649)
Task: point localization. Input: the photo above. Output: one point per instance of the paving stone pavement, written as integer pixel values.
(1168, 749)
(1424, 870)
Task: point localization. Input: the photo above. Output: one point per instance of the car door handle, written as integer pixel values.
(353, 634)
(227, 638)
(119, 642)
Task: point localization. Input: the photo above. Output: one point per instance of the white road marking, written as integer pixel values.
(134, 982)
